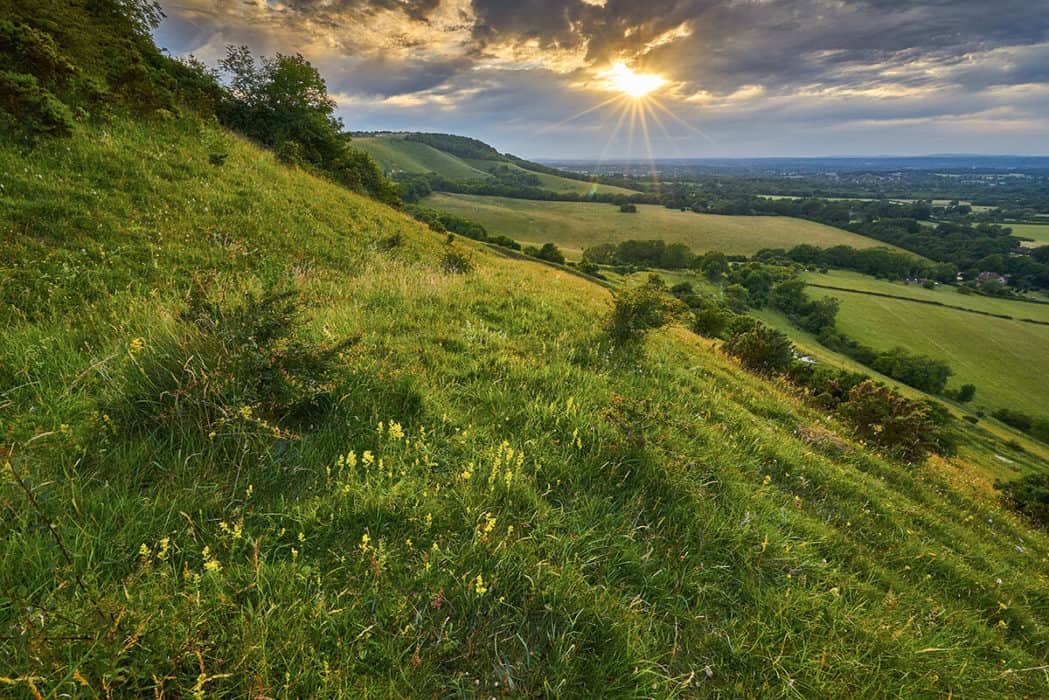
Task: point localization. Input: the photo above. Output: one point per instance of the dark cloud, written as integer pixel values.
(748, 72)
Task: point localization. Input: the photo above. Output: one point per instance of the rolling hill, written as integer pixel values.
(435, 478)
(575, 226)
(398, 154)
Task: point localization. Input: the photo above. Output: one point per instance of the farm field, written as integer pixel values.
(1038, 233)
(1005, 359)
(942, 294)
(575, 226)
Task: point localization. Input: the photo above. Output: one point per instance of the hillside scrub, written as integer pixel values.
(256, 441)
(474, 493)
(639, 309)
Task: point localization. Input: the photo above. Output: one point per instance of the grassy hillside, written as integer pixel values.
(396, 154)
(575, 226)
(1005, 359)
(478, 498)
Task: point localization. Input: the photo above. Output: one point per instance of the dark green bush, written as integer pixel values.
(30, 109)
(763, 350)
(639, 309)
(456, 263)
(885, 418)
(711, 319)
(230, 367)
(1029, 495)
(549, 252)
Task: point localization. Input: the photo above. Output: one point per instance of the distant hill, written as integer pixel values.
(465, 159)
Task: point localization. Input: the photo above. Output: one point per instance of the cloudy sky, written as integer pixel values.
(742, 77)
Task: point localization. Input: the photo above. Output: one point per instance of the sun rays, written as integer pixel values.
(634, 105)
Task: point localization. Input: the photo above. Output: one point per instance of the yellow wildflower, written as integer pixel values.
(396, 432)
(136, 346)
(368, 458)
(162, 549)
(144, 551)
(479, 587)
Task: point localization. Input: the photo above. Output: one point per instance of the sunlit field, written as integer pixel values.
(575, 226)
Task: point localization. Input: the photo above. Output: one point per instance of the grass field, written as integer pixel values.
(1005, 359)
(577, 225)
(397, 155)
(480, 498)
(1038, 233)
(943, 294)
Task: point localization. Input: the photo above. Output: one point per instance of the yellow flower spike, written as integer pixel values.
(396, 432)
(250, 491)
(408, 543)
(162, 548)
(380, 428)
(767, 480)
(368, 458)
(294, 554)
(136, 346)
(765, 543)
(212, 566)
(479, 587)
(364, 545)
(144, 551)
(351, 459)
(428, 520)
(302, 537)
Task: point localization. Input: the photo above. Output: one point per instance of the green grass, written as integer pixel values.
(575, 226)
(1038, 233)
(1005, 359)
(661, 525)
(944, 294)
(398, 155)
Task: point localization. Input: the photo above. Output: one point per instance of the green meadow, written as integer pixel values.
(943, 294)
(574, 226)
(1038, 233)
(437, 479)
(398, 155)
(1005, 359)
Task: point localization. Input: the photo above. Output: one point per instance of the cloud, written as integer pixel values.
(749, 72)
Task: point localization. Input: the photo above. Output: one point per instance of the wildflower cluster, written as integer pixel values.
(504, 463)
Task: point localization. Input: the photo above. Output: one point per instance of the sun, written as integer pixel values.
(625, 80)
